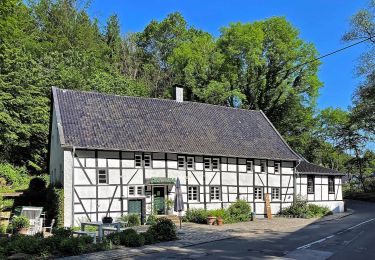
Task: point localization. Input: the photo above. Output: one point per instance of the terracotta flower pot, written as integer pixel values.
(23, 231)
(211, 220)
(219, 221)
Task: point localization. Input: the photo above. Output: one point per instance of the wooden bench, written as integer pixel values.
(86, 233)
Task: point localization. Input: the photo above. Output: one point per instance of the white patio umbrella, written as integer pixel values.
(179, 201)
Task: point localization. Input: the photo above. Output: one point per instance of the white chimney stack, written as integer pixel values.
(179, 94)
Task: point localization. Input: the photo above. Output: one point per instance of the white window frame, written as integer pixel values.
(106, 175)
(138, 157)
(190, 159)
(149, 158)
(257, 193)
(251, 163)
(313, 185)
(333, 184)
(209, 163)
(135, 189)
(275, 193)
(264, 164)
(183, 161)
(278, 168)
(217, 163)
(140, 190)
(215, 193)
(191, 193)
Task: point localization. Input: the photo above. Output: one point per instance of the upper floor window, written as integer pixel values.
(146, 160)
(249, 166)
(190, 162)
(207, 163)
(310, 184)
(331, 184)
(277, 168)
(215, 164)
(136, 190)
(138, 160)
(102, 176)
(181, 162)
(263, 166)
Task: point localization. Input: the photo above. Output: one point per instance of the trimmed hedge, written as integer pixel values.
(55, 205)
(238, 211)
(302, 209)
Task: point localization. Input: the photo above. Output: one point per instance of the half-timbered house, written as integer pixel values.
(116, 155)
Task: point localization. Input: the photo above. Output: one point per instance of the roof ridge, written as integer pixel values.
(151, 98)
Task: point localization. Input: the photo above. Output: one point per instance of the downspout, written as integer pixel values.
(73, 156)
(294, 182)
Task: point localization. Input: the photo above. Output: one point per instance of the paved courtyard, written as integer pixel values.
(195, 234)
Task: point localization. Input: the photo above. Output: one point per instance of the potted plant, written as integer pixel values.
(211, 220)
(107, 220)
(219, 221)
(169, 203)
(21, 224)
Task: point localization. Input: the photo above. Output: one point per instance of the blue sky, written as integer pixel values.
(321, 22)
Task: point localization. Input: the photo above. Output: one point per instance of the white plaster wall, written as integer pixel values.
(56, 163)
(335, 206)
(68, 188)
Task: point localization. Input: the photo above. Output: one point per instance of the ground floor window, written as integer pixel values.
(136, 190)
(331, 185)
(310, 184)
(102, 176)
(275, 193)
(215, 193)
(193, 193)
(258, 193)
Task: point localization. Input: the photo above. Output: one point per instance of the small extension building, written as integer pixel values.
(117, 155)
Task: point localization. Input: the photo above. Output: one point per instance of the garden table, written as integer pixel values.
(100, 226)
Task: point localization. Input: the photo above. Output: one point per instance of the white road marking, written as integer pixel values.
(339, 233)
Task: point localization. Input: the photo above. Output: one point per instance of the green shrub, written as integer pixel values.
(114, 238)
(196, 216)
(16, 178)
(239, 211)
(149, 237)
(55, 205)
(318, 211)
(164, 230)
(301, 209)
(134, 220)
(20, 222)
(130, 238)
(75, 245)
(3, 228)
(151, 220)
(62, 232)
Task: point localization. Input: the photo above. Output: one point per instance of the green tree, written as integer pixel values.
(362, 26)
(270, 65)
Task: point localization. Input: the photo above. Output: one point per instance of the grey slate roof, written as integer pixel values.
(110, 122)
(305, 167)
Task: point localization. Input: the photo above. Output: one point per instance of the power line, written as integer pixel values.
(293, 69)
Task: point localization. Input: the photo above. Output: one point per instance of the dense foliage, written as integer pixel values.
(238, 211)
(261, 65)
(301, 209)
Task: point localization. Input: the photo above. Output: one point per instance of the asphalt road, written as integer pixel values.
(352, 237)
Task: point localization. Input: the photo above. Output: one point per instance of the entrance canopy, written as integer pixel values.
(160, 181)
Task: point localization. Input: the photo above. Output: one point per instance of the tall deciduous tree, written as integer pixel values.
(362, 26)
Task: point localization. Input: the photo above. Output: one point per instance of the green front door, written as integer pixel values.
(159, 203)
(135, 207)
